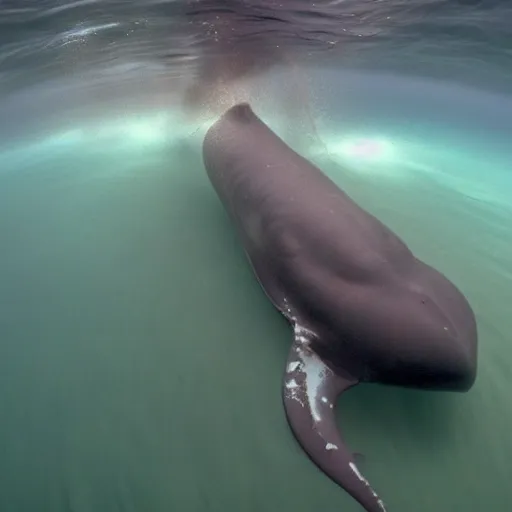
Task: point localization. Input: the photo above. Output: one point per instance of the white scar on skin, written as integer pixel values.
(302, 335)
(312, 368)
(287, 308)
(292, 384)
(293, 390)
(315, 372)
(293, 366)
(353, 467)
(308, 364)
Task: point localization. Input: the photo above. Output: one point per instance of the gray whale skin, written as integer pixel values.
(363, 308)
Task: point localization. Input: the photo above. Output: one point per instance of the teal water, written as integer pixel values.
(141, 364)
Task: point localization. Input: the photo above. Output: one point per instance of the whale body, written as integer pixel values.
(362, 307)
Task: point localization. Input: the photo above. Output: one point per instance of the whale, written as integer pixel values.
(362, 307)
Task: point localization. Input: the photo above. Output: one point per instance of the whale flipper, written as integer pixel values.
(310, 390)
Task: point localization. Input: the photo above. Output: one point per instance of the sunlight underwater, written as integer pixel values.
(373, 156)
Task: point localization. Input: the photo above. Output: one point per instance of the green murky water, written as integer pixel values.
(141, 364)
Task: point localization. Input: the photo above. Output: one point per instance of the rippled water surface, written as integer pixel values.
(140, 363)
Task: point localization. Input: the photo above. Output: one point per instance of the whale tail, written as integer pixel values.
(310, 389)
